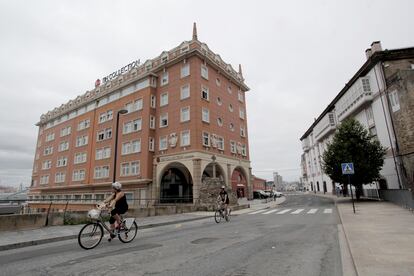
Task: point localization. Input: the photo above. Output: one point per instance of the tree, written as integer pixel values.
(353, 143)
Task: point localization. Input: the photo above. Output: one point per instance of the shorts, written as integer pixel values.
(114, 212)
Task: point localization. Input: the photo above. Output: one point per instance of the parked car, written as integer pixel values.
(260, 194)
(278, 194)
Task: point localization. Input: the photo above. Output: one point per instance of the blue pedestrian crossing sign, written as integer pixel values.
(347, 168)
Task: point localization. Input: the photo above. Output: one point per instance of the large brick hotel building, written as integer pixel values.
(185, 122)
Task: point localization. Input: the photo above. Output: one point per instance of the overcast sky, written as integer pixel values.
(296, 56)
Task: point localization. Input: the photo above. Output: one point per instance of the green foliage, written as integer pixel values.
(352, 143)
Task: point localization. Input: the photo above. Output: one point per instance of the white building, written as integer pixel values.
(363, 98)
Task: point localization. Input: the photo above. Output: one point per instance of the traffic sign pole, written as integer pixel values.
(352, 194)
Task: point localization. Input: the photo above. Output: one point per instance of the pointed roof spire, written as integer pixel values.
(195, 31)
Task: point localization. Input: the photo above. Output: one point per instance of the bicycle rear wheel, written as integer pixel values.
(217, 216)
(90, 235)
(128, 235)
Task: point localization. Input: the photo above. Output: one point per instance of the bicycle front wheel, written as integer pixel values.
(228, 216)
(128, 235)
(90, 235)
(217, 216)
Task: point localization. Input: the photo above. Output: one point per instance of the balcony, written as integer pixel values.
(357, 97)
(325, 126)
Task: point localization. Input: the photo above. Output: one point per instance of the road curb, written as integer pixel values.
(346, 237)
(70, 237)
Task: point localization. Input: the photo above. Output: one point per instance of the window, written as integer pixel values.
(206, 115)
(185, 70)
(130, 168)
(103, 153)
(60, 177)
(80, 157)
(132, 126)
(233, 148)
(204, 71)
(106, 116)
(99, 197)
(206, 139)
(62, 162)
(151, 144)
(231, 126)
(78, 175)
(48, 150)
(394, 100)
(185, 138)
(220, 121)
(153, 101)
(241, 113)
(44, 179)
(164, 78)
(104, 134)
(242, 131)
(50, 137)
(218, 82)
(101, 172)
(185, 92)
(84, 124)
(164, 99)
(164, 120)
(63, 146)
(152, 122)
(134, 106)
(365, 85)
(131, 147)
(229, 89)
(185, 114)
(244, 150)
(241, 97)
(220, 143)
(219, 102)
(230, 107)
(204, 93)
(163, 143)
(65, 131)
(46, 164)
(81, 141)
(370, 115)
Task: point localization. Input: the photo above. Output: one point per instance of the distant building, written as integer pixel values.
(381, 97)
(259, 183)
(278, 181)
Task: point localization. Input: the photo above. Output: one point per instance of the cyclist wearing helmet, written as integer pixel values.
(118, 203)
(223, 199)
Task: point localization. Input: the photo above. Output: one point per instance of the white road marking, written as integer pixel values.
(283, 212)
(271, 211)
(312, 211)
(298, 211)
(327, 211)
(256, 212)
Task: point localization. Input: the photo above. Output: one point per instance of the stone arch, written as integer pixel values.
(208, 172)
(240, 181)
(176, 184)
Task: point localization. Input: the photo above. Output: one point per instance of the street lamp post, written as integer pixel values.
(122, 111)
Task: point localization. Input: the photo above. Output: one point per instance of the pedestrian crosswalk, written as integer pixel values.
(292, 211)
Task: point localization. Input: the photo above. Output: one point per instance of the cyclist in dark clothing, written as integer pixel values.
(118, 203)
(223, 199)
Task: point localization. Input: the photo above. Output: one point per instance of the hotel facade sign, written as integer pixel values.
(121, 71)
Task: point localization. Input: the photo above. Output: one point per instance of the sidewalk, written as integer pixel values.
(24, 238)
(380, 236)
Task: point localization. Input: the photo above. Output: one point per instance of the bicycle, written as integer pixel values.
(220, 213)
(92, 233)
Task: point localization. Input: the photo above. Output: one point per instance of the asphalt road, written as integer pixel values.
(289, 241)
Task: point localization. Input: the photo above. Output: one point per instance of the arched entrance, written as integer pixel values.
(213, 170)
(239, 182)
(176, 185)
